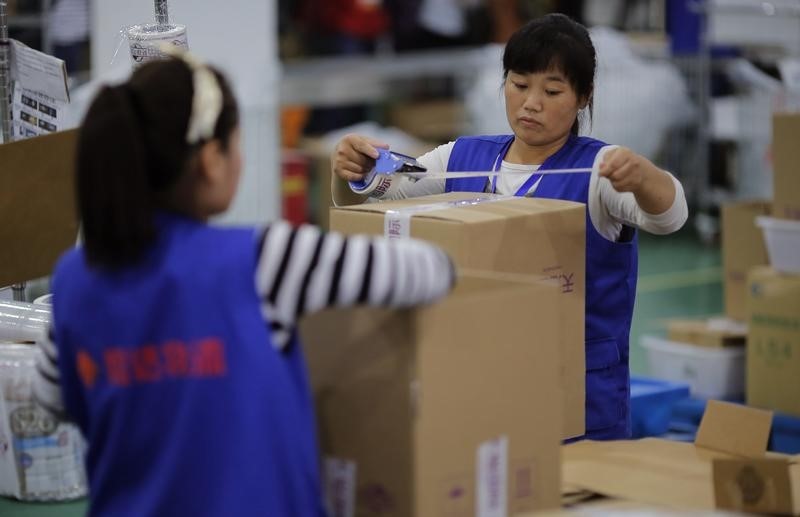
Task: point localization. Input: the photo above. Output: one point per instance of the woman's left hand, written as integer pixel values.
(625, 169)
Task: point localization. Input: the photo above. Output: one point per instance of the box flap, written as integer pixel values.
(734, 429)
(711, 332)
(754, 485)
(37, 205)
(486, 207)
(652, 471)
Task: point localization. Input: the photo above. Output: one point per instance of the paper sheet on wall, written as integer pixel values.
(39, 72)
(35, 114)
(40, 92)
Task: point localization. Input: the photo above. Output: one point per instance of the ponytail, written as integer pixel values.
(115, 201)
(132, 148)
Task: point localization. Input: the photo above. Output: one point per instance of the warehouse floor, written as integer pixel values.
(678, 276)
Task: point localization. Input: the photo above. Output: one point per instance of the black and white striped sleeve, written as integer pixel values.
(46, 386)
(301, 270)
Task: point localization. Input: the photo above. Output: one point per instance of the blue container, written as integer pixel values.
(683, 25)
(785, 435)
(651, 405)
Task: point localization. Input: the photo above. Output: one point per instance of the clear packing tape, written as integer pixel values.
(40, 458)
(397, 222)
(144, 40)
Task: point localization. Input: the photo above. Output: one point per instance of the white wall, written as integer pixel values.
(238, 36)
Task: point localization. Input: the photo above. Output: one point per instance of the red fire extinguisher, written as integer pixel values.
(294, 186)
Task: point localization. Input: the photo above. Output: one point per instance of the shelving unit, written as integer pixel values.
(35, 21)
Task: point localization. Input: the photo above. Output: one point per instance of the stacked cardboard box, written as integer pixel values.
(742, 248)
(773, 345)
(530, 238)
(773, 297)
(458, 408)
(786, 160)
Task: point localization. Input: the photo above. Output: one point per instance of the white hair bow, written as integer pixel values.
(207, 98)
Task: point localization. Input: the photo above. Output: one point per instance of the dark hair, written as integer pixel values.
(131, 147)
(554, 41)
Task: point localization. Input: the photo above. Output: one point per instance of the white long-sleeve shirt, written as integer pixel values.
(609, 210)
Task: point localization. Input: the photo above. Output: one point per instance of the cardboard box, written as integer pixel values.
(726, 468)
(773, 342)
(542, 238)
(37, 205)
(442, 409)
(786, 164)
(712, 333)
(742, 248)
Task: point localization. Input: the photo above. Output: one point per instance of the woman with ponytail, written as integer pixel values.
(173, 343)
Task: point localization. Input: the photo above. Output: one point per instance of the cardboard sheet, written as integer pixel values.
(38, 219)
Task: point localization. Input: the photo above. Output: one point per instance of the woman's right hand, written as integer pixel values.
(354, 156)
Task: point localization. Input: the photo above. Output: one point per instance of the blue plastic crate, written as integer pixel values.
(785, 435)
(651, 405)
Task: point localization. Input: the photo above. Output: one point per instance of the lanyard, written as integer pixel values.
(523, 190)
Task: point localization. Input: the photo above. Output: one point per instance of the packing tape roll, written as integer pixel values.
(45, 299)
(25, 322)
(144, 41)
(40, 458)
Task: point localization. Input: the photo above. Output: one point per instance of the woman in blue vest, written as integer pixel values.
(173, 342)
(549, 67)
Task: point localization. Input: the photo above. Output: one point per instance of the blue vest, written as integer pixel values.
(169, 371)
(611, 272)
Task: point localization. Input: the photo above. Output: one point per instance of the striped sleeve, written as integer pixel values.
(46, 386)
(303, 270)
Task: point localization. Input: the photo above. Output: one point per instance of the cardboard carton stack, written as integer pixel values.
(718, 339)
(458, 408)
(773, 297)
(742, 249)
(541, 239)
(786, 159)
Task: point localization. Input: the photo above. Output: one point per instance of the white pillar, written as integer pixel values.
(239, 37)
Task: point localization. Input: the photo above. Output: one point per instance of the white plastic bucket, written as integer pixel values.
(783, 243)
(712, 373)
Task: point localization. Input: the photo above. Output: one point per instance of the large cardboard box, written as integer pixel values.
(742, 248)
(726, 468)
(542, 238)
(449, 409)
(786, 161)
(38, 220)
(773, 341)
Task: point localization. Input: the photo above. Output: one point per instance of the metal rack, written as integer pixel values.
(5, 74)
(36, 21)
(349, 80)
(5, 106)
